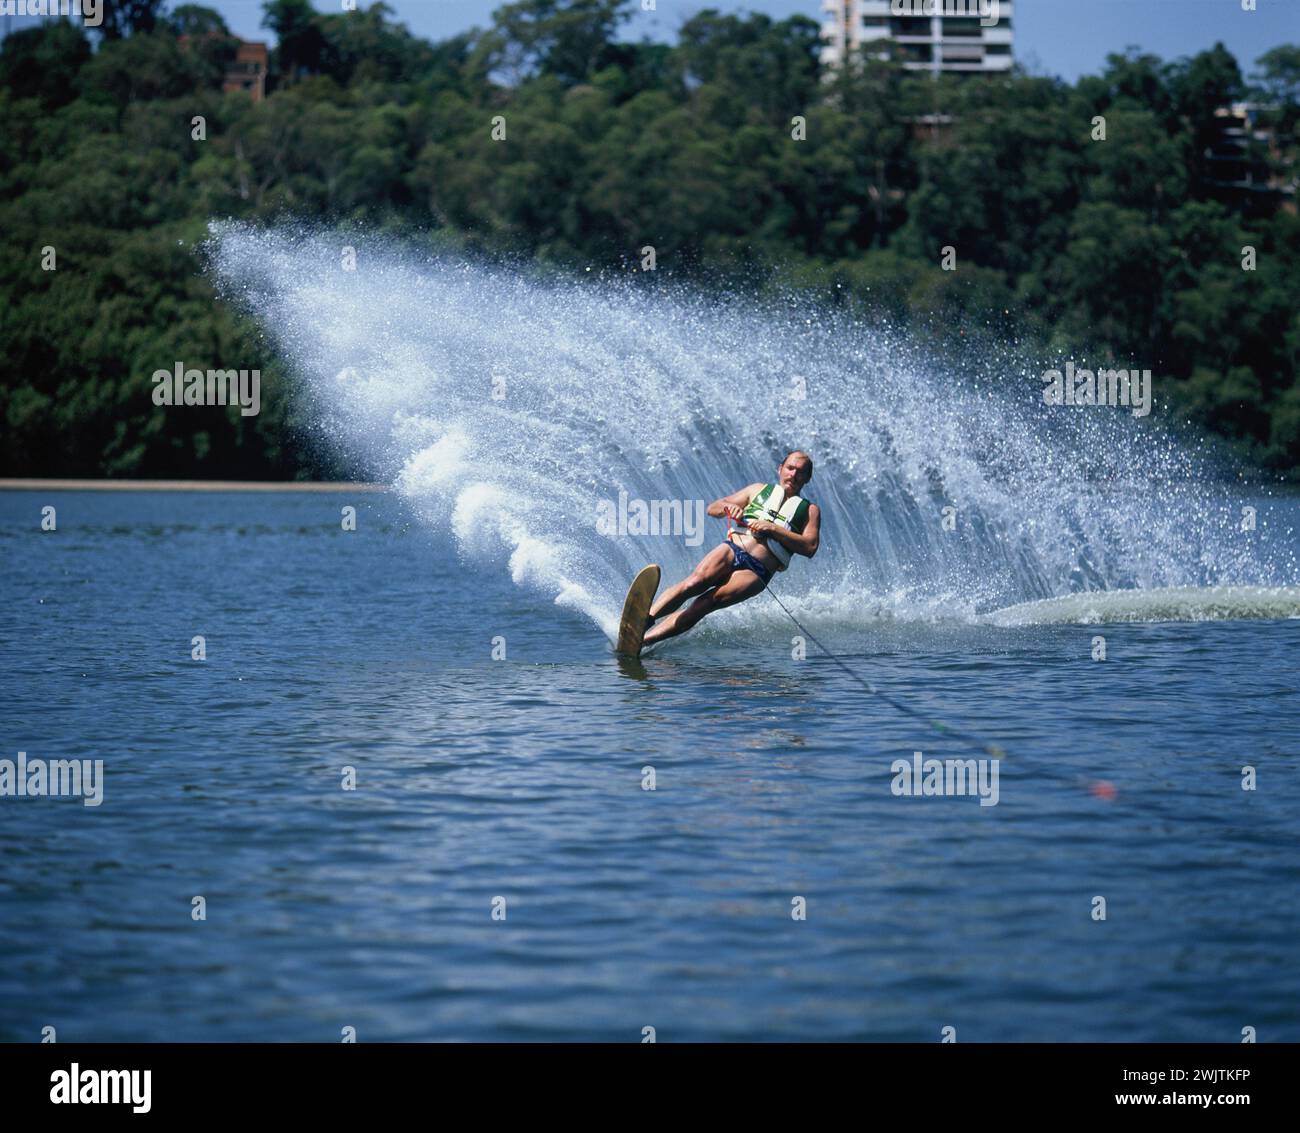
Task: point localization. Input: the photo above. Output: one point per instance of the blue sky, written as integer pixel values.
(1058, 37)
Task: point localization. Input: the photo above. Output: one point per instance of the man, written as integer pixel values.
(777, 522)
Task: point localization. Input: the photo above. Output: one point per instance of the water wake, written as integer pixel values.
(509, 409)
(1170, 604)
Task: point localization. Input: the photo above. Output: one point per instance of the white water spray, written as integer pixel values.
(507, 407)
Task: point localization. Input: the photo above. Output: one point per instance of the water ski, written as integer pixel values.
(636, 608)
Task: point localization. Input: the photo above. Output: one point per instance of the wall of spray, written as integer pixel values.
(506, 407)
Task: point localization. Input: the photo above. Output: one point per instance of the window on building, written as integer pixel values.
(911, 25)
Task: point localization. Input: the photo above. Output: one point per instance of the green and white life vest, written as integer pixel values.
(774, 506)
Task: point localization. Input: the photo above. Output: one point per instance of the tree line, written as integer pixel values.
(732, 152)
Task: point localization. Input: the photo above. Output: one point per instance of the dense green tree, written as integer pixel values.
(300, 43)
(127, 17)
(196, 20)
(44, 63)
(1277, 86)
(207, 38)
(568, 39)
(731, 152)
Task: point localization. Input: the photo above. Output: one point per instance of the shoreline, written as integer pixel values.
(53, 485)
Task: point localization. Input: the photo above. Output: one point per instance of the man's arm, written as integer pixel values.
(805, 543)
(733, 504)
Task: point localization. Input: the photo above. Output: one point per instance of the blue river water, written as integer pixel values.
(481, 776)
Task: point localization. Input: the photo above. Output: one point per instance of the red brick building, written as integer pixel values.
(248, 71)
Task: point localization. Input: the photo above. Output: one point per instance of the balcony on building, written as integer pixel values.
(248, 71)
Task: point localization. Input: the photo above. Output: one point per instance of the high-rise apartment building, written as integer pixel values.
(928, 35)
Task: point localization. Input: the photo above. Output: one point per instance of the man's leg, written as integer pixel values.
(741, 585)
(713, 570)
